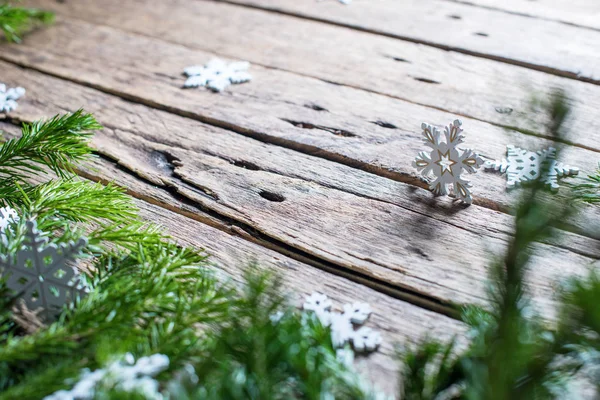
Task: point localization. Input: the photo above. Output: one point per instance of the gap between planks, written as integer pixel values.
(206, 173)
(579, 13)
(386, 18)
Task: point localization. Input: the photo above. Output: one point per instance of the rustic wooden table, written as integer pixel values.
(307, 169)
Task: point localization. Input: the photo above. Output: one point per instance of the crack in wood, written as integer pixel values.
(308, 125)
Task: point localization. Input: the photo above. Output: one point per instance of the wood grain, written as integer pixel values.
(384, 231)
(582, 13)
(458, 83)
(375, 133)
(482, 32)
(398, 321)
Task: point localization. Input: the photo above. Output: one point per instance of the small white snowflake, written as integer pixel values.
(217, 74)
(446, 162)
(9, 97)
(40, 274)
(523, 166)
(343, 324)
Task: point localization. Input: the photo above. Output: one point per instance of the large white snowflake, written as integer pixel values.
(9, 97)
(523, 166)
(40, 275)
(342, 324)
(217, 74)
(446, 162)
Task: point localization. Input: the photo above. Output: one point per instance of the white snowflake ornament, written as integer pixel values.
(40, 275)
(343, 324)
(9, 97)
(523, 166)
(217, 74)
(446, 162)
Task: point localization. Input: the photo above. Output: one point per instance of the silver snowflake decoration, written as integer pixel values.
(217, 74)
(9, 97)
(523, 166)
(446, 162)
(343, 324)
(40, 275)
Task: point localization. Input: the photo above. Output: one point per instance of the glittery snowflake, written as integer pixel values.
(343, 323)
(523, 166)
(446, 161)
(9, 97)
(40, 275)
(217, 74)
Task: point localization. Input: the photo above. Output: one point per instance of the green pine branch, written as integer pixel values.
(15, 21)
(589, 191)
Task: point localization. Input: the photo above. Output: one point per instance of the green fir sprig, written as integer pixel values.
(15, 21)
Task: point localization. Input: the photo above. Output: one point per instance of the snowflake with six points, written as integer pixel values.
(524, 166)
(446, 161)
(39, 273)
(217, 74)
(9, 97)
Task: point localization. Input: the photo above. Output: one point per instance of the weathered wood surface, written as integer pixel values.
(458, 83)
(384, 231)
(398, 321)
(343, 127)
(582, 13)
(483, 32)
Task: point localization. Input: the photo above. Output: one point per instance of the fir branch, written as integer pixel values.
(14, 21)
(57, 144)
(589, 191)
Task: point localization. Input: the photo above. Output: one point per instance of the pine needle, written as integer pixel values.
(15, 21)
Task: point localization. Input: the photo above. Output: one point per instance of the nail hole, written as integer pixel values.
(504, 110)
(481, 34)
(271, 196)
(246, 165)
(315, 107)
(427, 81)
(454, 16)
(384, 124)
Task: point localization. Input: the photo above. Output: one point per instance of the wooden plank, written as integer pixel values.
(464, 85)
(262, 110)
(398, 321)
(582, 13)
(383, 231)
(462, 28)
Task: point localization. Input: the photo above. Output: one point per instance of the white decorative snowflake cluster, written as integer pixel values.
(217, 74)
(342, 324)
(9, 97)
(522, 166)
(40, 274)
(446, 162)
(127, 375)
(7, 217)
